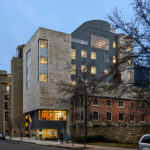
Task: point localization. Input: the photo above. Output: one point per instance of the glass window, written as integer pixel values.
(43, 60)
(114, 44)
(43, 43)
(132, 117)
(95, 102)
(52, 115)
(95, 116)
(142, 117)
(108, 116)
(109, 103)
(120, 103)
(73, 82)
(132, 105)
(120, 116)
(146, 139)
(142, 105)
(43, 77)
(114, 59)
(129, 75)
(106, 71)
(83, 68)
(93, 70)
(83, 53)
(82, 115)
(73, 69)
(73, 54)
(106, 58)
(99, 42)
(93, 55)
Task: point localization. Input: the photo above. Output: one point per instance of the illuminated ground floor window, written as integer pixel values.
(46, 133)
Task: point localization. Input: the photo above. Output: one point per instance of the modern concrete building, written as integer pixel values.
(5, 102)
(45, 59)
(17, 117)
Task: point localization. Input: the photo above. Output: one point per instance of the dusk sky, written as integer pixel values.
(21, 18)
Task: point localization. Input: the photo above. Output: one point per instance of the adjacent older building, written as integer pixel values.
(17, 117)
(5, 102)
(45, 59)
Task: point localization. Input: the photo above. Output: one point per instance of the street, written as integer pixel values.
(15, 145)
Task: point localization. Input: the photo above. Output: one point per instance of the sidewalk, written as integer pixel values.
(69, 146)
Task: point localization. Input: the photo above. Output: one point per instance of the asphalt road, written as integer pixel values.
(13, 145)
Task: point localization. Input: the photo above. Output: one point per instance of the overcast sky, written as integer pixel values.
(19, 19)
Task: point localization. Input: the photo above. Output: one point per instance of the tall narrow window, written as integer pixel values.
(43, 60)
(120, 116)
(106, 71)
(28, 69)
(73, 69)
(83, 68)
(93, 55)
(114, 44)
(108, 116)
(95, 116)
(132, 117)
(129, 75)
(73, 54)
(83, 53)
(114, 59)
(93, 70)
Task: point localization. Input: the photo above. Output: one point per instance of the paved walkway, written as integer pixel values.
(70, 146)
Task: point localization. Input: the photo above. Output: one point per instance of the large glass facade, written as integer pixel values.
(99, 42)
(54, 115)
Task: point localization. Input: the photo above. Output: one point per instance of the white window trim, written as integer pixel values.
(121, 106)
(109, 105)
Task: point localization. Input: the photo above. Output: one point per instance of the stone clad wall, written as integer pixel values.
(129, 134)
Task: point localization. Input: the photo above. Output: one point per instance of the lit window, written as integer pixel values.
(43, 77)
(73, 69)
(95, 116)
(83, 68)
(106, 72)
(114, 44)
(132, 117)
(109, 103)
(114, 59)
(43, 60)
(93, 70)
(83, 53)
(26, 124)
(129, 75)
(99, 42)
(120, 116)
(73, 54)
(108, 116)
(121, 104)
(43, 43)
(73, 82)
(93, 55)
(129, 62)
(52, 115)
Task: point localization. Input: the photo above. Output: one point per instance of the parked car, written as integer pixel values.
(2, 137)
(144, 142)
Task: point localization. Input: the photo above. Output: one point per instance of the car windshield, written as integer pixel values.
(146, 139)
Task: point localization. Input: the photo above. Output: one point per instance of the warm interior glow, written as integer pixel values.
(106, 72)
(93, 70)
(73, 82)
(114, 44)
(93, 55)
(114, 59)
(43, 77)
(73, 69)
(83, 68)
(83, 53)
(99, 42)
(43, 60)
(43, 44)
(73, 54)
(129, 75)
(53, 115)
